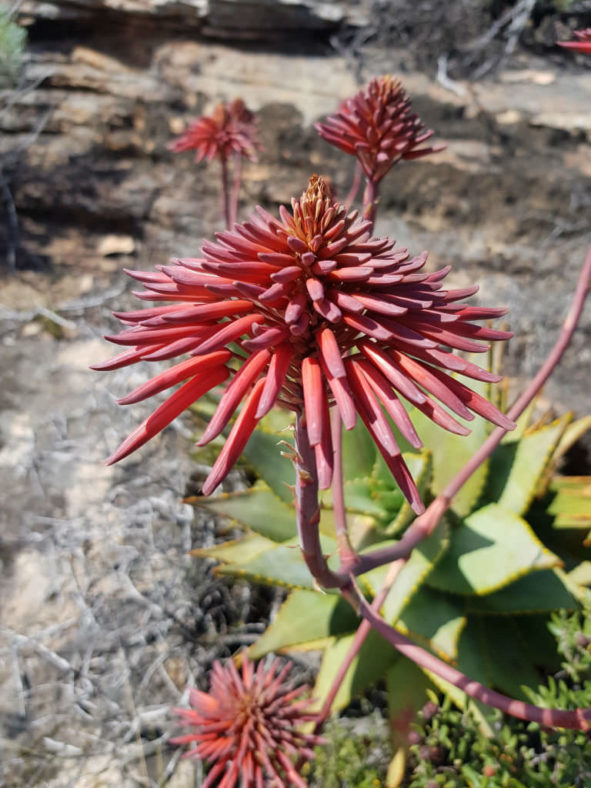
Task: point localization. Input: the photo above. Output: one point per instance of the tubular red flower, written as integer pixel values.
(247, 726)
(582, 45)
(359, 343)
(231, 129)
(377, 126)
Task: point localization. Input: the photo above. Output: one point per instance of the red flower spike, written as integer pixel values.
(348, 349)
(231, 129)
(342, 396)
(323, 452)
(247, 726)
(234, 394)
(274, 381)
(392, 404)
(371, 413)
(169, 410)
(314, 396)
(236, 441)
(582, 45)
(180, 372)
(378, 127)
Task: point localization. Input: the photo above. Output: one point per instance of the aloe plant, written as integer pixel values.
(478, 592)
(445, 545)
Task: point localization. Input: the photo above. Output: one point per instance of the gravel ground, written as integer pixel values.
(105, 618)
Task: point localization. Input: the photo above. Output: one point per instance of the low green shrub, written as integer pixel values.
(449, 749)
(356, 754)
(459, 749)
(12, 44)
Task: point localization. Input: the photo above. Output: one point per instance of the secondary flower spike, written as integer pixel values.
(247, 727)
(229, 130)
(377, 126)
(309, 311)
(582, 45)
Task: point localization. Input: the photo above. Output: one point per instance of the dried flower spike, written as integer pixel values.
(247, 726)
(378, 127)
(313, 312)
(230, 130)
(582, 45)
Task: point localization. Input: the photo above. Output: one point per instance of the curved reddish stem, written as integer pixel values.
(425, 523)
(535, 385)
(236, 181)
(363, 631)
(557, 718)
(354, 186)
(370, 201)
(308, 509)
(225, 191)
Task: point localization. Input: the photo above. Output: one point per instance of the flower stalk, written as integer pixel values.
(579, 719)
(308, 510)
(370, 200)
(229, 135)
(235, 193)
(352, 193)
(225, 192)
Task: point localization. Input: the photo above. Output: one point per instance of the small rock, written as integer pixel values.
(116, 244)
(529, 75)
(508, 118)
(98, 60)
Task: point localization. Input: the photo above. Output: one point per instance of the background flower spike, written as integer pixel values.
(370, 331)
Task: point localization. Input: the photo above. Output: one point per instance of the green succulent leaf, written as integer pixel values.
(282, 565)
(264, 453)
(489, 550)
(306, 617)
(359, 452)
(375, 656)
(436, 619)
(539, 592)
(237, 550)
(517, 468)
(522, 424)
(406, 685)
(257, 508)
(361, 497)
(493, 652)
(573, 433)
(421, 562)
(536, 640)
(581, 574)
(571, 506)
